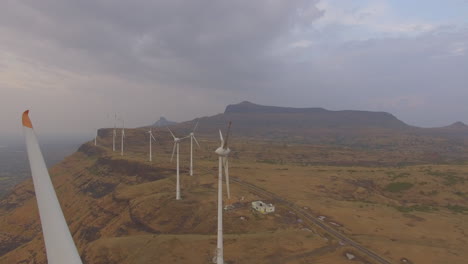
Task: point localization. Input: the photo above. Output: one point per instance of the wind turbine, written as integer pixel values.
(114, 133)
(95, 138)
(176, 146)
(192, 138)
(151, 138)
(122, 139)
(60, 247)
(223, 153)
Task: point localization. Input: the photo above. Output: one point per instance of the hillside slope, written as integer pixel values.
(123, 210)
(358, 130)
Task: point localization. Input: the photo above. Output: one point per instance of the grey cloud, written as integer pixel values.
(211, 44)
(190, 58)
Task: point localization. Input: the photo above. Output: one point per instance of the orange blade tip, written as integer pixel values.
(26, 120)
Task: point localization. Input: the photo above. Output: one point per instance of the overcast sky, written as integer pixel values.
(73, 63)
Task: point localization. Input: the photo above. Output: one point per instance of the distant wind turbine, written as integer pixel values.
(122, 139)
(60, 247)
(114, 134)
(95, 138)
(223, 153)
(192, 138)
(176, 146)
(151, 138)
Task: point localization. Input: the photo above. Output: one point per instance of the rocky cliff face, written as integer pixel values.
(123, 210)
(92, 189)
(316, 117)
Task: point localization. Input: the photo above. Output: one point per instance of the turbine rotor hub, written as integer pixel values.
(222, 152)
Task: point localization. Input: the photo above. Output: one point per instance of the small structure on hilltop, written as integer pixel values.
(262, 207)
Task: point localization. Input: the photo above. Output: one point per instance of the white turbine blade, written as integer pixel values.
(59, 244)
(151, 134)
(171, 133)
(225, 146)
(195, 127)
(196, 141)
(221, 137)
(173, 150)
(226, 172)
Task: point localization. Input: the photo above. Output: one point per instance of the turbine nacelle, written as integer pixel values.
(222, 152)
(176, 143)
(176, 139)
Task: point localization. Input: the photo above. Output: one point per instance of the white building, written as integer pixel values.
(262, 207)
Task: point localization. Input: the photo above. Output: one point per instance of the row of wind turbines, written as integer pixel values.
(59, 243)
(151, 138)
(223, 168)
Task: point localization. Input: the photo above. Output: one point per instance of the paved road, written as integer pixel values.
(313, 219)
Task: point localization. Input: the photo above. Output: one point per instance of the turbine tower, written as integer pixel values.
(122, 139)
(192, 138)
(114, 133)
(223, 153)
(151, 138)
(59, 244)
(176, 146)
(95, 138)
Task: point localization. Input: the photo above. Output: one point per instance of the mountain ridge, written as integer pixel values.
(247, 107)
(319, 117)
(162, 122)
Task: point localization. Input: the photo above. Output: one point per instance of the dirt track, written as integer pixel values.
(307, 215)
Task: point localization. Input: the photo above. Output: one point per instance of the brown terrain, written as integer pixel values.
(348, 186)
